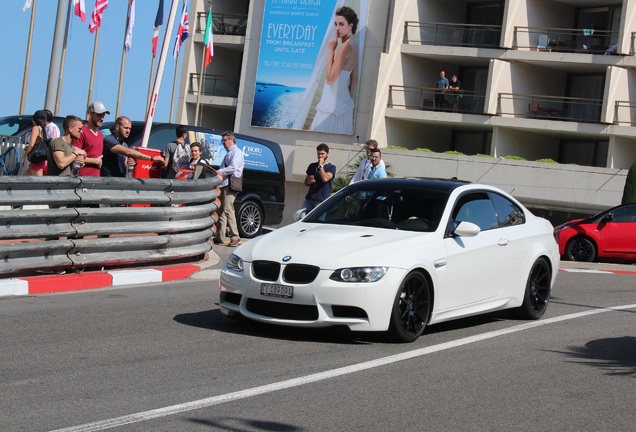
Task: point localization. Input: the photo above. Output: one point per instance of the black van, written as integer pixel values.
(262, 201)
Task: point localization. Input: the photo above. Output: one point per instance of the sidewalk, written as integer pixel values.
(54, 283)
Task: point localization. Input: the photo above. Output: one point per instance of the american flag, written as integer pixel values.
(183, 32)
(158, 23)
(96, 17)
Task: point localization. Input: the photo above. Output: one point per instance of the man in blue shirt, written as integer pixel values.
(441, 85)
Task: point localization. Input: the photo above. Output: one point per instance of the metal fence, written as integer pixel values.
(72, 223)
(550, 107)
(223, 24)
(586, 41)
(213, 85)
(423, 98)
(625, 113)
(452, 34)
(11, 153)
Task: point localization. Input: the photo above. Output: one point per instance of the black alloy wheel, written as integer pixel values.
(250, 219)
(580, 249)
(411, 308)
(537, 294)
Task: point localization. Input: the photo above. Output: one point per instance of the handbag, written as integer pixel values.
(39, 152)
(236, 183)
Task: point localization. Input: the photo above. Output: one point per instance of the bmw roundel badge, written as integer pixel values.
(286, 258)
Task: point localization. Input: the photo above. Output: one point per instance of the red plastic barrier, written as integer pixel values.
(148, 168)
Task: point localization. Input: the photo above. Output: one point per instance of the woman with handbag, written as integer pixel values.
(37, 149)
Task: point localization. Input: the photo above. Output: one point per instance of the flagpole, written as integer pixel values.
(54, 64)
(123, 63)
(90, 82)
(152, 69)
(201, 80)
(58, 95)
(162, 63)
(25, 79)
(174, 86)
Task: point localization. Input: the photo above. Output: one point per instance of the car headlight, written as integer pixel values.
(561, 228)
(234, 262)
(358, 274)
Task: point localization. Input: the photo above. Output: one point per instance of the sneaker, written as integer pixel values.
(234, 242)
(217, 241)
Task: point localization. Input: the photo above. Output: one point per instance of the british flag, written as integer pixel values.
(184, 30)
(96, 17)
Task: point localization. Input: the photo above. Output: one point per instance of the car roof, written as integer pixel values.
(434, 184)
(24, 123)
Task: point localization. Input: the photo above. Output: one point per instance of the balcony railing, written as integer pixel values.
(550, 107)
(223, 24)
(625, 113)
(632, 47)
(450, 34)
(586, 41)
(214, 85)
(423, 98)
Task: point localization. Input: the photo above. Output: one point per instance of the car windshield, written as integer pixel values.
(407, 209)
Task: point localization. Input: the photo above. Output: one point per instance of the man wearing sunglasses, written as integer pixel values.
(365, 164)
(91, 140)
(377, 169)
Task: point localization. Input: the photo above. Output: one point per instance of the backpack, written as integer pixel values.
(181, 157)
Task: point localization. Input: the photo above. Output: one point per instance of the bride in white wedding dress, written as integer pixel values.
(334, 112)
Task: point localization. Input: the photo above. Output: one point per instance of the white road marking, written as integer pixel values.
(295, 382)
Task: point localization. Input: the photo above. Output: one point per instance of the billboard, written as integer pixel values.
(308, 70)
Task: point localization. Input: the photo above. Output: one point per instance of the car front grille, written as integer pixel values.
(300, 273)
(284, 311)
(266, 270)
(230, 297)
(348, 312)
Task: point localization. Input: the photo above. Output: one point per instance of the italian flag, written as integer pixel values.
(207, 40)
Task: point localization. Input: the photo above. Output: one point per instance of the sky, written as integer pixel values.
(79, 54)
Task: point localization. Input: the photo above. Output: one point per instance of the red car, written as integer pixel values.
(609, 234)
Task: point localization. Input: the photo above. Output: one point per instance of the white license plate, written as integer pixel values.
(277, 290)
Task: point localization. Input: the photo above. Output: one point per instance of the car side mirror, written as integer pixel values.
(608, 217)
(299, 214)
(466, 229)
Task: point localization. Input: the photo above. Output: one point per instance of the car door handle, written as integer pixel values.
(502, 242)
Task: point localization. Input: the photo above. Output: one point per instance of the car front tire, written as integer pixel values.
(250, 219)
(580, 249)
(411, 308)
(537, 293)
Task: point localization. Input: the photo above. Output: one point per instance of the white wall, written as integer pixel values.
(531, 146)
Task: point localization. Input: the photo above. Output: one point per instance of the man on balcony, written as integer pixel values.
(441, 85)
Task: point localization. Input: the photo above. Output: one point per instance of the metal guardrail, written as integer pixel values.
(223, 24)
(213, 85)
(452, 34)
(625, 113)
(46, 222)
(423, 98)
(585, 41)
(549, 107)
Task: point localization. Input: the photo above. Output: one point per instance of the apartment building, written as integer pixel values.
(541, 80)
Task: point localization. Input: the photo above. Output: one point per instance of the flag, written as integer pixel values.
(158, 23)
(80, 9)
(96, 17)
(27, 4)
(131, 23)
(184, 30)
(207, 40)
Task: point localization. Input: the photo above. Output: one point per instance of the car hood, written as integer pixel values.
(335, 246)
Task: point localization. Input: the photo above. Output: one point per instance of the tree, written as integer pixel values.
(629, 193)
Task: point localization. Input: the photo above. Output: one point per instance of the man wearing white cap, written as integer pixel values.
(91, 140)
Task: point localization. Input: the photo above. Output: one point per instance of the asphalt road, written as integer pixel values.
(162, 358)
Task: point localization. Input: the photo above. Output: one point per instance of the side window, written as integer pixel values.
(476, 208)
(160, 138)
(508, 213)
(624, 214)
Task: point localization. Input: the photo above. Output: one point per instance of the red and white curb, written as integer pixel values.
(618, 272)
(93, 280)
